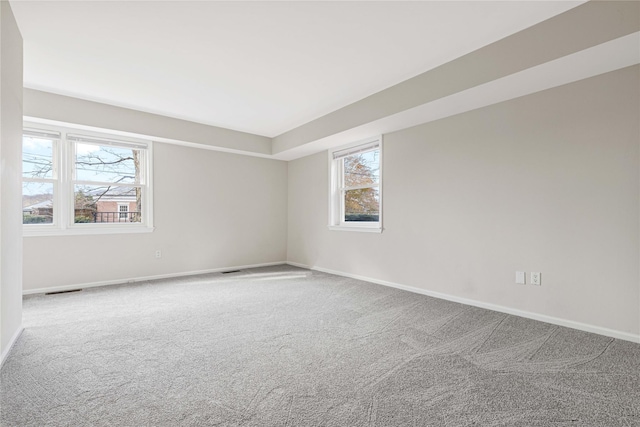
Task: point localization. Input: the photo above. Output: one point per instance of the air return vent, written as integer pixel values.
(63, 292)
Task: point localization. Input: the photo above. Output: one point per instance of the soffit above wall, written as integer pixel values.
(588, 40)
(257, 67)
(592, 39)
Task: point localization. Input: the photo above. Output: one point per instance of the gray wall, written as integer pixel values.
(212, 210)
(10, 175)
(50, 106)
(548, 182)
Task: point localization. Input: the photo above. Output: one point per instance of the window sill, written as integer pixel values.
(86, 231)
(360, 229)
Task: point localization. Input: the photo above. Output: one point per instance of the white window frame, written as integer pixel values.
(337, 189)
(54, 137)
(64, 162)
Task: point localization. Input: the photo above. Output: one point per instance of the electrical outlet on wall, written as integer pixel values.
(520, 277)
(535, 278)
(158, 253)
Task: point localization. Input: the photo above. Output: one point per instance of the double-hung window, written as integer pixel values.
(356, 186)
(40, 174)
(107, 176)
(77, 182)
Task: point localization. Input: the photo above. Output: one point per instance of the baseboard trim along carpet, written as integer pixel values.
(527, 314)
(12, 341)
(144, 278)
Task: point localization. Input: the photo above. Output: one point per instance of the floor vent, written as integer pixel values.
(230, 271)
(63, 292)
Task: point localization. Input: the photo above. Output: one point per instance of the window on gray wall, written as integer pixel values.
(356, 186)
(76, 182)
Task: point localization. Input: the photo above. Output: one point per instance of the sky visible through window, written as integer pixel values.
(362, 169)
(93, 163)
(106, 164)
(37, 157)
(37, 163)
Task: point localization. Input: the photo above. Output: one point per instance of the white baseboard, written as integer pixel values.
(12, 341)
(527, 314)
(142, 279)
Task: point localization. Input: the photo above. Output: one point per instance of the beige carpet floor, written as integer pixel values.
(283, 346)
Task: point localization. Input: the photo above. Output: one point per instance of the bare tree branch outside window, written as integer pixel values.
(101, 164)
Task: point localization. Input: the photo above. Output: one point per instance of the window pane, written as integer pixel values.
(37, 157)
(362, 169)
(37, 203)
(100, 204)
(124, 211)
(362, 205)
(107, 164)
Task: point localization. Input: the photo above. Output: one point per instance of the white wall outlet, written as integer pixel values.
(535, 278)
(158, 253)
(520, 277)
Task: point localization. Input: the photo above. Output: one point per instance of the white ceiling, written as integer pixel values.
(259, 67)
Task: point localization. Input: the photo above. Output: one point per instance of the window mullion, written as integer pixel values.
(360, 187)
(67, 200)
(341, 192)
(107, 184)
(47, 180)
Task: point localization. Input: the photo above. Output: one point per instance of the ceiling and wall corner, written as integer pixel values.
(591, 39)
(273, 69)
(257, 67)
